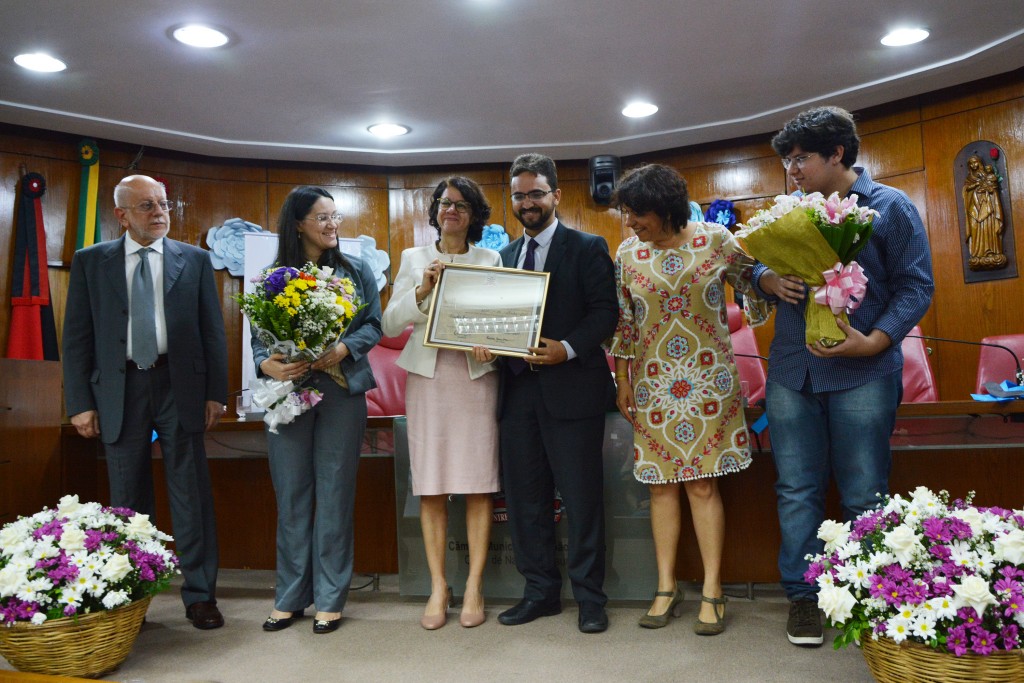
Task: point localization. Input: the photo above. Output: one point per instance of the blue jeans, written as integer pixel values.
(845, 433)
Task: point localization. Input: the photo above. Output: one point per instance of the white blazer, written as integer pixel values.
(402, 308)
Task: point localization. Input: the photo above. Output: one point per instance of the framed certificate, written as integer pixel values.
(500, 308)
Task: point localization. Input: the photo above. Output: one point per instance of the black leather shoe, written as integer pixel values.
(525, 611)
(593, 618)
(272, 624)
(326, 625)
(204, 615)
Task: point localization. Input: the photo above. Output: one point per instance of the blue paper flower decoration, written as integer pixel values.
(378, 259)
(494, 237)
(721, 211)
(227, 244)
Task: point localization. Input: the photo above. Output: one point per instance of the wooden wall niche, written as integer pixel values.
(985, 212)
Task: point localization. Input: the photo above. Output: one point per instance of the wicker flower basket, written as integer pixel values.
(89, 646)
(912, 662)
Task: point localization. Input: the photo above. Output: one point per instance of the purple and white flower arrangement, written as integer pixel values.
(945, 574)
(77, 559)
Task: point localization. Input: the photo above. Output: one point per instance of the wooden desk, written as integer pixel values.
(943, 448)
(959, 446)
(244, 496)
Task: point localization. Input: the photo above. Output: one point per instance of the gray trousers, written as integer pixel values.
(149, 405)
(313, 464)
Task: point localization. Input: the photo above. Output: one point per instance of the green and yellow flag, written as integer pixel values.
(88, 204)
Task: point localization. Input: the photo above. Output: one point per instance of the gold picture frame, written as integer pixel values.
(500, 308)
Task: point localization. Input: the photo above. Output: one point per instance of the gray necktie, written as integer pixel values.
(144, 349)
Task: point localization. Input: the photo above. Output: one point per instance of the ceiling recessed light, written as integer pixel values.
(636, 110)
(38, 61)
(197, 35)
(904, 36)
(388, 130)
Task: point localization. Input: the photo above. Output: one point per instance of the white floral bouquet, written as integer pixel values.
(299, 312)
(948, 575)
(815, 238)
(79, 558)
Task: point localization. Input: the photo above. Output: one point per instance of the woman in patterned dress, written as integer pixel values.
(677, 381)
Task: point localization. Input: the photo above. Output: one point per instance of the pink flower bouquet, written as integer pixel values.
(817, 240)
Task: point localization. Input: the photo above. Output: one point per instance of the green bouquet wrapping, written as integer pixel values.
(815, 239)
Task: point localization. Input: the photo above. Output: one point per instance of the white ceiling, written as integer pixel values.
(478, 80)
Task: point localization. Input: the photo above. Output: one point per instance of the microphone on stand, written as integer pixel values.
(1016, 361)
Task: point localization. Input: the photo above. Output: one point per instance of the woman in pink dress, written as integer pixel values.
(451, 400)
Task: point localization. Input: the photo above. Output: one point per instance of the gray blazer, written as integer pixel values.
(96, 334)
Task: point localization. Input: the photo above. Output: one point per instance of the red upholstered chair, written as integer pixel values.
(388, 398)
(918, 378)
(995, 365)
(750, 367)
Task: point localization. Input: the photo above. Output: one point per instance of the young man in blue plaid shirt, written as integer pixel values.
(832, 410)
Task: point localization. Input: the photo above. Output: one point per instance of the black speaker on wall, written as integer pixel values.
(604, 173)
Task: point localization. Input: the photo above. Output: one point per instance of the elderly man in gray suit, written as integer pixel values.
(144, 350)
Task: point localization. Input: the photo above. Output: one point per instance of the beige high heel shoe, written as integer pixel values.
(471, 619)
(436, 621)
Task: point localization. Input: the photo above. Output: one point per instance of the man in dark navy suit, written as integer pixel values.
(553, 406)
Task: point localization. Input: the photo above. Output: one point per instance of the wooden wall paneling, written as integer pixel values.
(981, 93)
(984, 308)
(891, 152)
(59, 278)
(711, 153)
(37, 142)
(418, 178)
(890, 115)
(245, 503)
(81, 475)
(496, 195)
(30, 424)
(578, 210)
(324, 175)
(366, 213)
(409, 226)
(202, 204)
(761, 177)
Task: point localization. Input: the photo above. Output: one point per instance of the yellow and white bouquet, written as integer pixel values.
(299, 312)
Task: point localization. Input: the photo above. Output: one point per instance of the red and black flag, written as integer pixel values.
(33, 334)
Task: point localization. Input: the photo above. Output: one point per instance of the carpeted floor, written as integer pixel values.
(381, 640)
